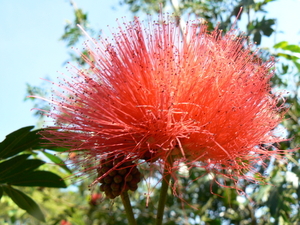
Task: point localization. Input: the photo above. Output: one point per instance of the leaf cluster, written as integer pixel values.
(18, 168)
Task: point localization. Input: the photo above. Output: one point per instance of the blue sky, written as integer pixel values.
(30, 47)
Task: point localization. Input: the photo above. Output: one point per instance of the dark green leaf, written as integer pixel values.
(267, 26)
(7, 167)
(273, 205)
(1, 192)
(284, 68)
(41, 179)
(24, 202)
(18, 141)
(57, 161)
(17, 167)
(257, 37)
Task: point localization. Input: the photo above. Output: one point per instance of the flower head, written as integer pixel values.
(95, 199)
(152, 95)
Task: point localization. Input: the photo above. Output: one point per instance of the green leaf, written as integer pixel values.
(54, 148)
(285, 46)
(282, 45)
(40, 179)
(1, 192)
(24, 139)
(273, 202)
(16, 167)
(257, 37)
(266, 26)
(229, 196)
(293, 48)
(284, 68)
(263, 193)
(18, 141)
(24, 202)
(297, 65)
(46, 144)
(57, 161)
(7, 167)
(287, 56)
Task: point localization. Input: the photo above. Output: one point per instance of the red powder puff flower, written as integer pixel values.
(65, 222)
(154, 95)
(95, 198)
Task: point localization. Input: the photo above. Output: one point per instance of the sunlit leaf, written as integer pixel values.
(285, 46)
(293, 48)
(281, 44)
(287, 56)
(57, 161)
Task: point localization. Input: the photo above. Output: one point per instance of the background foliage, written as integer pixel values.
(276, 203)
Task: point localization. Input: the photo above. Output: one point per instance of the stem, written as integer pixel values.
(163, 197)
(128, 208)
